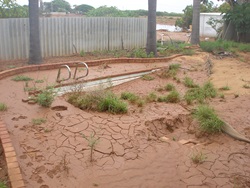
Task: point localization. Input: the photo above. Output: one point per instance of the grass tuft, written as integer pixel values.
(38, 121)
(208, 120)
(198, 158)
(98, 100)
(147, 77)
(169, 87)
(172, 97)
(188, 82)
(45, 98)
(21, 78)
(3, 107)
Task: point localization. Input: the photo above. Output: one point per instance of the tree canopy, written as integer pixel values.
(57, 6)
(83, 9)
(10, 9)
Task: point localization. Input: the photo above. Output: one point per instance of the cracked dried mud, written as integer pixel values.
(150, 146)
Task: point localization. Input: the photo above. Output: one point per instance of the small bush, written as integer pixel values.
(39, 81)
(174, 67)
(225, 88)
(45, 98)
(98, 100)
(38, 121)
(198, 158)
(2, 185)
(3, 107)
(199, 94)
(188, 82)
(112, 104)
(21, 78)
(169, 87)
(208, 119)
(152, 97)
(172, 97)
(147, 77)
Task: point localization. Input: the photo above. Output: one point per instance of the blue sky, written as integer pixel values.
(162, 5)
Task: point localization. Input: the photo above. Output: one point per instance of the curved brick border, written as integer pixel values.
(29, 68)
(14, 172)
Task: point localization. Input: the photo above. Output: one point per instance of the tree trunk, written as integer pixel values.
(35, 48)
(195, 35)
(151, 32)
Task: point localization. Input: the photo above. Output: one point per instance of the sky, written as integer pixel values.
(162, 5)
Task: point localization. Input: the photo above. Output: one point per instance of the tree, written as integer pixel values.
(237, 21)
(83, 9)
(35, 48)
(104, 11)
(57, 6)
(195, 35)
(151, 31)
(10, 9)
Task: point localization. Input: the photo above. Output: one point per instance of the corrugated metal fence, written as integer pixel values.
(65, 36)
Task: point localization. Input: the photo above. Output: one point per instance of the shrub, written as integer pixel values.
(21, 78)
(152, 97)
(38, 121)
(208, 119)
(188, 82)
(200, 93)
(147, 77)
(46, 97)
(198, 158)
(172, 97)
(3, 107)
(112, 104)
(98, 100)
(169, 87)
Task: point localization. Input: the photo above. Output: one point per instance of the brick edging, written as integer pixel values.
(91, 63)
(14, 172)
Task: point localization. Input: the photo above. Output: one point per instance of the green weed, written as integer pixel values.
(39, 81)
(198, 158)
(98, 100)
(147, 77)
(188, 82)
(172, 97)
(225, 88)
(92, 142)
(21, 78)
(45, 98)
(38, 121)
(2, 185)
(169, 87)
(3, 106)
(199, 94)
(208, 119)
(152, 97)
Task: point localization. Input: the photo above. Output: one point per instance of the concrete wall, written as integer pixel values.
(205, 29)
(61, 36)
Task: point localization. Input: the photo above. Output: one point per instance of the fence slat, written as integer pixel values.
(65, 36)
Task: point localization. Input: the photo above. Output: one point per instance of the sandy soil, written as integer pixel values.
(150, 146)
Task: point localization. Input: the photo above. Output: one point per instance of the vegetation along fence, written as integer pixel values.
(66, 36)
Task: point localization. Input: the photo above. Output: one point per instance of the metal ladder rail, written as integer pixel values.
(59, 74)
(87, 71)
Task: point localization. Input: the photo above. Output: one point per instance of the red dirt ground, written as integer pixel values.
(150, 146)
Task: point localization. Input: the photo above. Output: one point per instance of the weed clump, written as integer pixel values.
(152, 97)
(134, 99)
(198, 158)
(147, 77)
(172, 97)
(21, 78)
(199, 94)
(171, 71)
(188, 82)
(38, 121)
(208, 120)
(169, 87)
(3, 107)
(45, 98)
(98, 100)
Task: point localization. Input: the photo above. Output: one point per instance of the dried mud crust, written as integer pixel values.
(148, 147)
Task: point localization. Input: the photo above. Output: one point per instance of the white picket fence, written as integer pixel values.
(65, 36)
